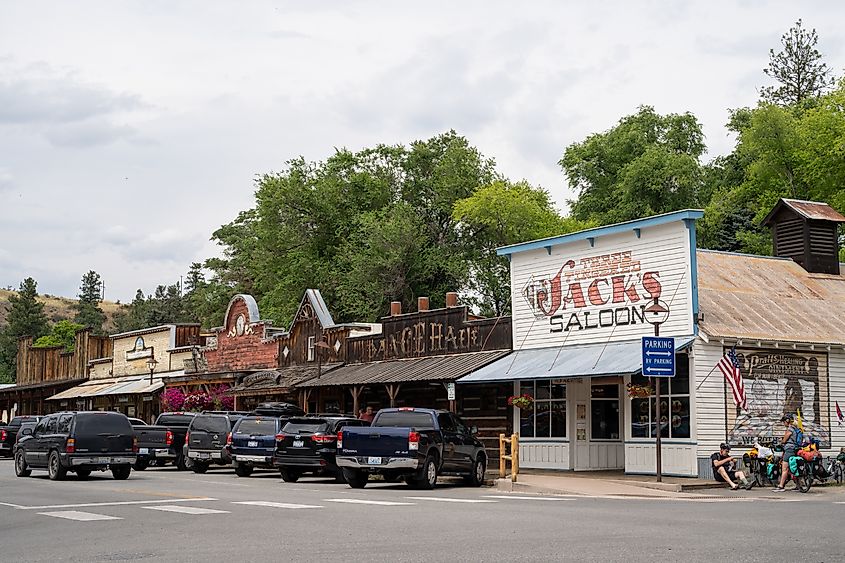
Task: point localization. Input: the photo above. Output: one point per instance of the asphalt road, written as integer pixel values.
(165, 515)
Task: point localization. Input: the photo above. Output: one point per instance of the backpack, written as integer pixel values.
(798, 436)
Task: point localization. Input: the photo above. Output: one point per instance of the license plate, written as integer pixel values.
(252, 444)
(298, 443)
(203, 455)
(143, 450)
(373, 461)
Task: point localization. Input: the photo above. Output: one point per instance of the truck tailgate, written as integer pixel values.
(151, 436)
(377, 442)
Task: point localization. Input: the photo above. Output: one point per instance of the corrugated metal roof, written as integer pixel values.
(131, 385)
(561, 362)
(765, 298)
(431, 368)
(814, 210)
(280, 379)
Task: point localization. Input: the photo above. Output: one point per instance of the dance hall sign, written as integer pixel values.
(578, 293)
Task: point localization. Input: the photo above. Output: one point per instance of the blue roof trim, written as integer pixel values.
(693, 268)
(686, 214)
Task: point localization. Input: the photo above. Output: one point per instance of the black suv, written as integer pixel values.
(205, 441)
(79, 442)
(8, 434)
(309, 444)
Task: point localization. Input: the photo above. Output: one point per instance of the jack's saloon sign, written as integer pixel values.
(598, 296)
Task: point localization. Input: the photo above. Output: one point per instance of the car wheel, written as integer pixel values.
(429, 475)
(338, 477)
(54, 467)
(199, 467)
(356, 479)
(83, 473)
(289, 475)
(243, 470)
(476, 478)
(121, 472)
(141, 464)
(21, 469)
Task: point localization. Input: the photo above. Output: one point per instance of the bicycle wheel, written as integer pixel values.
(804, 478)
(837, 472)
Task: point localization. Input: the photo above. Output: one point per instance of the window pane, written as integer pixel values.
(604, 420)
(558, 389)
(640, 427)
(664, 384)
(680, 383)
(558, 419)
(526, 423)
(680, 417)
(604, 391)
(543, 421)
(664, 417)
(543, 390)
(526, 387)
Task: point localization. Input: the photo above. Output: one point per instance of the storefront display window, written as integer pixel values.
(546, 418)
(604, 408)
(674, 405)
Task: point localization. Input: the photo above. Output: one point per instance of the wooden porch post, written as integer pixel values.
(356, 391)
(392, 392)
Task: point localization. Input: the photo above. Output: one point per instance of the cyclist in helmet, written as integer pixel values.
(790, 448)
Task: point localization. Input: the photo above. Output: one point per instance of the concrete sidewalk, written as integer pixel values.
(600, 483)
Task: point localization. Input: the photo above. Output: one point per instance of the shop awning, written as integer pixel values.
(131, 385)
(583, 360)
(280, 380)
(431, 368)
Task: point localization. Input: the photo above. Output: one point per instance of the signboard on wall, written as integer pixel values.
(584, 292)
(777, 383)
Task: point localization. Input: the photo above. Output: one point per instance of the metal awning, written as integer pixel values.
(132, 385)
(431, 368)
(560, 362)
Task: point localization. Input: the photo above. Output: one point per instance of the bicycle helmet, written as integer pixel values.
(787, 418)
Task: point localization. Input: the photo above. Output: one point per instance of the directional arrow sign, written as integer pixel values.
(658, 356)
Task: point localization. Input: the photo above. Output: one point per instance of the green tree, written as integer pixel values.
(62, 333)
(496, 215)
(798, 68)
(26, 318)
(88, 312)
(647, 164)
(133, 316)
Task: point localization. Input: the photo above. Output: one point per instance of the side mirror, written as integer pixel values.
(473, 430)
(26, 432)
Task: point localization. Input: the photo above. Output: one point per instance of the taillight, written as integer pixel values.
(168, 438)
(280, 437)
(340, 439)
(188, 437)
(70, 445)
(2, 435)
(413, 440)
(323, 438)
(229, 439)
(135, 444)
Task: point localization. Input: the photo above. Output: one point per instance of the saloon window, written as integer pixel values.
(546, 417)
(674, 404)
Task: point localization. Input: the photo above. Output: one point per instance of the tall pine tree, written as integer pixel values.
(88, 312)
(26, 318)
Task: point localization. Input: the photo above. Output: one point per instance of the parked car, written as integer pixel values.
(415, 444)
(177, 423)
(252, 443)
(309, 445)
(278, 409)
(205, 441)
(9, 433)
(153, 444)
(79, 442)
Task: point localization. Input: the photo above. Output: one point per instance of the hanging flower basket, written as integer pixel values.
(524, 401)
(639, 391)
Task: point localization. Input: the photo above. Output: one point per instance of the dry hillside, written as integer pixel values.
(57, 308)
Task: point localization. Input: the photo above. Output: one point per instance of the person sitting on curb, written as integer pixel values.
(724, 468)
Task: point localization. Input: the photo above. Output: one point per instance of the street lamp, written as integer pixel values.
(151, 364)
(656, 314)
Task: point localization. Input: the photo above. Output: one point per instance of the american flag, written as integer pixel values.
(730, 367)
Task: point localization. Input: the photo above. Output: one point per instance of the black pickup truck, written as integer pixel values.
(153, 444)
(415, 444)
(9, 433)
(177, 423)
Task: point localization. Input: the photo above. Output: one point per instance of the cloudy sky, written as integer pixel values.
(130, 131)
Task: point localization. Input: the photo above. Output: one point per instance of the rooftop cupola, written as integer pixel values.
(806, 232)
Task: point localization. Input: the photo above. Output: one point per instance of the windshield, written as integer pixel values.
(18, 420)
(421, 420)
(175, 419)
(263, 426)
(305, 427)
(102, 423)
(210, 424)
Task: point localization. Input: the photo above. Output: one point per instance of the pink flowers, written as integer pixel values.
(218, 397)
(172, 400)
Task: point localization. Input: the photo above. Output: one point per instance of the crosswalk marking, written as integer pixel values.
(445, 499)
(186, 509)
(509, 497)
(277, 504)
(79, 516)
(362, 501)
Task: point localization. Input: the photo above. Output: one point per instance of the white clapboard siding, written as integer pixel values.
(663, 248)
(836, 367)
(709, 393)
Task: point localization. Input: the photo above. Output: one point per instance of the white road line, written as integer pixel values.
(525, 498)
(444, 499)
(117, 503)
(10, 504)
(361, 501)
(839, 502)
(79, 516)
(277, 504)
(186, 509)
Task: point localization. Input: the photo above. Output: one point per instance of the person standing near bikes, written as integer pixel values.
(790, 448)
